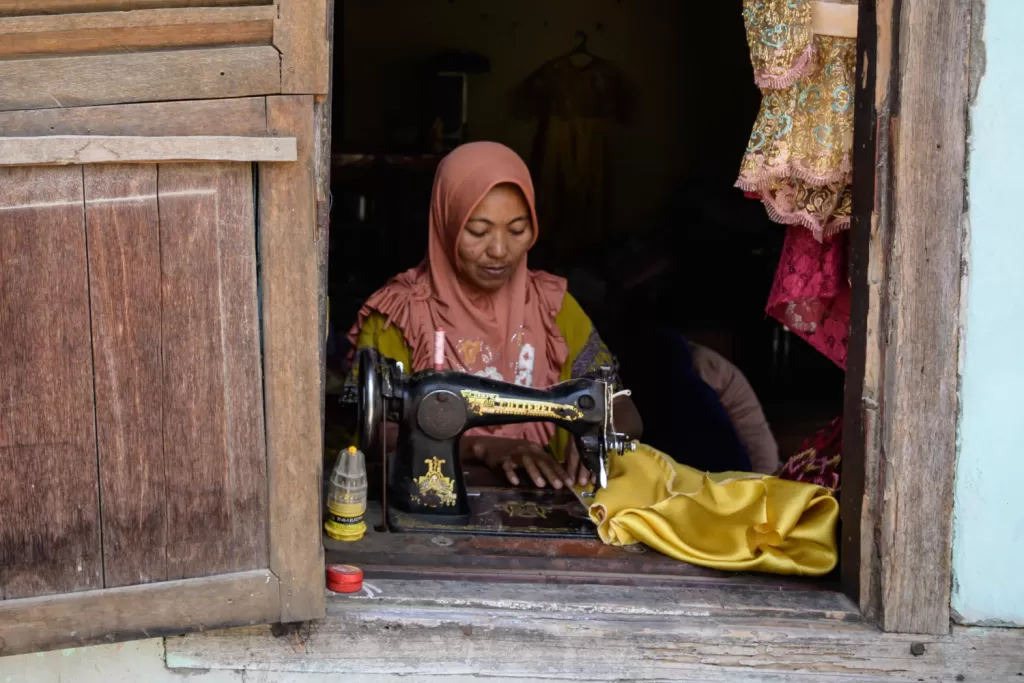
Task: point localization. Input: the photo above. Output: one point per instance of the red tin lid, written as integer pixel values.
(344, 578)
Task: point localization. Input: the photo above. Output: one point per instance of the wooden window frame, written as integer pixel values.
(909, 259)
(902, 404)
(908, 236)
(289, 243)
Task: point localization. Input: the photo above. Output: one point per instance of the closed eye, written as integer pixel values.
(519, 225)
(478, 227)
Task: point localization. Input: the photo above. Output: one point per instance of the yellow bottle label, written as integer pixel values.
(345, 521)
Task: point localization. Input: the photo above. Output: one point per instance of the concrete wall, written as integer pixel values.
(143, 662)
(988, 545)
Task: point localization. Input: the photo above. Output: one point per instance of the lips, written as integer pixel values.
(494, 272)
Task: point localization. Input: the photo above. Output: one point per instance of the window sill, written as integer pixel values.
(450, 631)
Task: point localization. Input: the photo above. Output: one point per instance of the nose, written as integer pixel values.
(496, 247)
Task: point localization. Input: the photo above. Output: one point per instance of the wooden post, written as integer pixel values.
(902, 406)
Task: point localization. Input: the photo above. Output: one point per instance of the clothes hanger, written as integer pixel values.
(581, 47)
(581, 50)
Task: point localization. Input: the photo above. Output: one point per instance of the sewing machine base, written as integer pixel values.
(505, 511)
(445, 556)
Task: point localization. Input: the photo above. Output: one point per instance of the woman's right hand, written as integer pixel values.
(510, 456)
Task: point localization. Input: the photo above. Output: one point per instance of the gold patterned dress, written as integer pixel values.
(798, 160)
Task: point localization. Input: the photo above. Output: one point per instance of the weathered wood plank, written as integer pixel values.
(926, 231)
(868, 261)
(289, 255)
(134, 612)
(100, 32)
(213, 427)
(300, 33)
(243, 372)
(64, 150)
(50, 529)
(244, 116)
(123, 227)
(451, 629)
(144, 77)
(16, 8)
(194, 395)
(686, 600)
(322, 122)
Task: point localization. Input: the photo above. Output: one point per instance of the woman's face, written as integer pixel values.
(495, 239)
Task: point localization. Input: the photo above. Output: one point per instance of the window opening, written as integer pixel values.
(672, 263)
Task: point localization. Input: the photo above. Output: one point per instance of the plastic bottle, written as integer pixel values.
(346, 497)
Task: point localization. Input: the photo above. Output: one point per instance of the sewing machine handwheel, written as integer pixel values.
(371, 402)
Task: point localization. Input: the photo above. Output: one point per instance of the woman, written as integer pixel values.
(510, 323)
(501, 319)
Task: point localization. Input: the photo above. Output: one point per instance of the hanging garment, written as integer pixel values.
(576, 107)
(819, 460)
(799, 157)
(811, 292)
(730, 521)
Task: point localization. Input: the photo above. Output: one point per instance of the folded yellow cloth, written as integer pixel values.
(732, 521)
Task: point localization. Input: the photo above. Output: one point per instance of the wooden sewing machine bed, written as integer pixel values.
(531, 555)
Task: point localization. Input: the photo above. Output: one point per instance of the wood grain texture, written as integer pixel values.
(64, 150)
(322, 121)
(50, 531)
(144, 77)
(458, 631)
(213, 440)
(132, 31)
(118, 614)
(244, 116)
(289, 257)
(18, 8)
(921, 310)
(301, 35)
(860, 570)
(123, 228)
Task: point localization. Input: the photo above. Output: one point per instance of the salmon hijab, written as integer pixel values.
(507, 335)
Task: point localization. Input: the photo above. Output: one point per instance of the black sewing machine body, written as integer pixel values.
(434, 409)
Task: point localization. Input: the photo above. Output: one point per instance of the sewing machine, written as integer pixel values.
(425, 482)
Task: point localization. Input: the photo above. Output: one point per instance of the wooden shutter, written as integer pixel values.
(72, 53)
(160, 375)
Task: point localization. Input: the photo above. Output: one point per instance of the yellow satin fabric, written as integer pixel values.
(732, 521)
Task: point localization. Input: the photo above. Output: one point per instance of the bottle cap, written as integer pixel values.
(344, 578)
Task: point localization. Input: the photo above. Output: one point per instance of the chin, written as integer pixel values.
(489, 285)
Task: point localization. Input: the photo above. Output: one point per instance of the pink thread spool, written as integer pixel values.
(439, 349)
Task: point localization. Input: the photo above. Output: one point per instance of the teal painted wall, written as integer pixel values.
(988, 541)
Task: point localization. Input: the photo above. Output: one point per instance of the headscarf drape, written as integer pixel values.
(507, 335)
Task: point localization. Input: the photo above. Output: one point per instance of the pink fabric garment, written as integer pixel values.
(811, 292)
(509, 335)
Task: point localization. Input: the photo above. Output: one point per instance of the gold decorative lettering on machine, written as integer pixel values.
(483, 403)
(434, 486)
